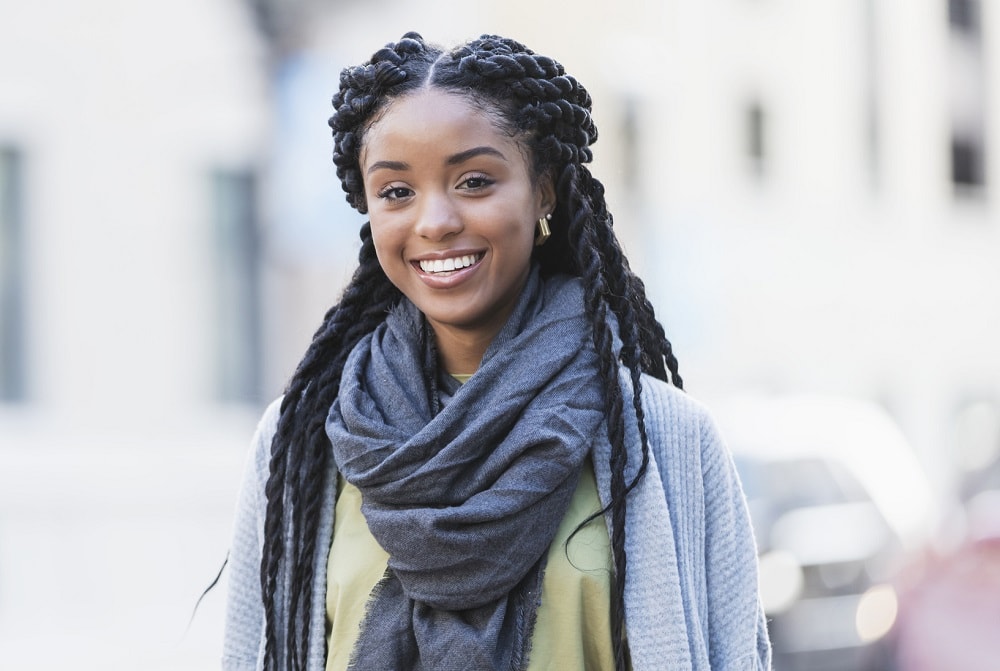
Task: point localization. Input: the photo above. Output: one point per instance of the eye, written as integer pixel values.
(395, 192)
(475, 182)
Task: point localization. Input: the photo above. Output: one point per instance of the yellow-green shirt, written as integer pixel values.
(572, 630)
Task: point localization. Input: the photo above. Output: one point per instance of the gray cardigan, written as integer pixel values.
(691, 598)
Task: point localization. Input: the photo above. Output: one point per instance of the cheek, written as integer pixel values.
(525, 233)
(514, 225)
(383, 245)
(517, 248)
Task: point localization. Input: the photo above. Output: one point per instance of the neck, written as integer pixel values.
(460, 353)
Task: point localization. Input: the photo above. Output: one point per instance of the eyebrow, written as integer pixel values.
(463, 156)
(398, 166)
(455, 159)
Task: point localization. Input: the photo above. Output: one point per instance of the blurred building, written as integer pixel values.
(133, 139)
(809, 190)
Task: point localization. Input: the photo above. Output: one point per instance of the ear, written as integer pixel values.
(546, 194)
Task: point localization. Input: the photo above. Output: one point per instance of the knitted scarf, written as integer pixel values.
(466, 498)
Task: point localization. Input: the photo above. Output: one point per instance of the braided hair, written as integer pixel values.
(531, 97)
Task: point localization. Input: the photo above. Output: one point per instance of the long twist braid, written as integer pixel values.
(597, 307)
(300, 450)
(643, 349)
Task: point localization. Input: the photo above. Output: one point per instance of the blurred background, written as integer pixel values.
(809, 190)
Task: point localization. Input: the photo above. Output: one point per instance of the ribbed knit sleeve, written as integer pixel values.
(244, 608)
(712, 536)
(737, 630)
(243, 644)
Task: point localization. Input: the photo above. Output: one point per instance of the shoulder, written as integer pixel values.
(681, 430)
(268, 423)
(267, 426)
(671, 411)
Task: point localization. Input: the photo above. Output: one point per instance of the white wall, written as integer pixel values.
(119, 471)
(121, 109)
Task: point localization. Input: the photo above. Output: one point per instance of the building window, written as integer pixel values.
(966, 162)
(12, 280)
(963, 16)
(237, 286)
(968, 94)
(755, 136)
(631, 158)
(872, 92)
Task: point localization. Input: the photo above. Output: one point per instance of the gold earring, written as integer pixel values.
(543, 230)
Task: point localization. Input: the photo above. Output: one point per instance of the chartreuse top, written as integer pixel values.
(573, 628)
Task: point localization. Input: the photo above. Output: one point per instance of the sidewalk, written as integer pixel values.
(108, 538)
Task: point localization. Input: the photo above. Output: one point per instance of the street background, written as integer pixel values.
(809, 191)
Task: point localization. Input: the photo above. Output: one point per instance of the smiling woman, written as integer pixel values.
(453, 205)
(458, 473)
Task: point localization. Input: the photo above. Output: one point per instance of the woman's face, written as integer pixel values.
(453, 209)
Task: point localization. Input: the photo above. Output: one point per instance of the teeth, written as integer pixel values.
(447, 265)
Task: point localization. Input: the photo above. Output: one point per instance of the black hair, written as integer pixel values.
(531, 97)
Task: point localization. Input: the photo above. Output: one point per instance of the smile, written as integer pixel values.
(448, 265)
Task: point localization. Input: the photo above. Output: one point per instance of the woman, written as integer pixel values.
(481, 462)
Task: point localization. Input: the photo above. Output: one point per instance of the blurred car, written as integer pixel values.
(949, 611)
(836, 497)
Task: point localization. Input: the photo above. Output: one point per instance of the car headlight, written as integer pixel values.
(876, 613)
(780, 581)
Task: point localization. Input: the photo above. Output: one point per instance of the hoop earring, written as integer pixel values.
(544, 232)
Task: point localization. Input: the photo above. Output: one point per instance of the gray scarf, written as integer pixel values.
(466, 498)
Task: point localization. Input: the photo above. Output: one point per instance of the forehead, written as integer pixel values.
(432, 120)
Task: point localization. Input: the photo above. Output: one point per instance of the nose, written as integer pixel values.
(437, 218)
